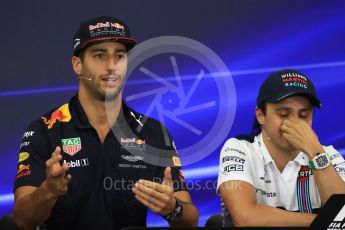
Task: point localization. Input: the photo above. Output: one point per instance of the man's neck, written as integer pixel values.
(100, 113)
(280, 157)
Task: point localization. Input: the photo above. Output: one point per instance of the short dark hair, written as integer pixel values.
(256, 129)
(80, 54)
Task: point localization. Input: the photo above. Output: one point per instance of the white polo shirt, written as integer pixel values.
(294, 189)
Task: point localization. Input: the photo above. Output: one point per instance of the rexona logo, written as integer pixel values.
(71, 145)
(77, 163)
(338, 222)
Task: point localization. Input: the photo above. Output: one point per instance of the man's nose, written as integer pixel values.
(112, 63)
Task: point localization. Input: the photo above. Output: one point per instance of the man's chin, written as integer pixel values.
(287, 147)
(111, 95)
(290, 149)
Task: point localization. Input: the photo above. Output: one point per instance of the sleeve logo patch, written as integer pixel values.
(23, 156)
(233, 167)
(23, 170)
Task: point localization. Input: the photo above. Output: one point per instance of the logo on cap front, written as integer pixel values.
(294, 80)
(104, 29)
(106, 25)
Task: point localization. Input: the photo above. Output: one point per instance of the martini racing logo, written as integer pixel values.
(294, 79)
(71, 145)
(304, 173)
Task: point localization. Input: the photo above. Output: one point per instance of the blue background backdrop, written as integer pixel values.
(253, 38)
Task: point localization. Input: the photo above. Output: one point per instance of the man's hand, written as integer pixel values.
(300, 135)
(56, 179)
(157, 197)
(33, 205)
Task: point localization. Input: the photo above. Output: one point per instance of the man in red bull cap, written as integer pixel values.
(95, 163)
(280, 175)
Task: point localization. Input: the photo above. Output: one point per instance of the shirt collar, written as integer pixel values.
(263, 150)
(78, 113)
(81, 120)
(302, 158)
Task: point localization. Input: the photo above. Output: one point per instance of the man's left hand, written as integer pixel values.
(157, 197)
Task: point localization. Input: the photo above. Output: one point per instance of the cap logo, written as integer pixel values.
(106, 25)
(294, 80)
(101, 29)
(76, 42)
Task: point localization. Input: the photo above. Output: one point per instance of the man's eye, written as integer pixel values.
(99, 55)
(283, 114)
(304, 115)
(121, 56)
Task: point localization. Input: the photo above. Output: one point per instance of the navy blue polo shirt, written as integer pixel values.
(100, 193)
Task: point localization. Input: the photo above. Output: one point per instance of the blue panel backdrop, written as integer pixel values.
(201, 102)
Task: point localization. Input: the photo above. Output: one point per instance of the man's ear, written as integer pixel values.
(77, 65)
(260, 116)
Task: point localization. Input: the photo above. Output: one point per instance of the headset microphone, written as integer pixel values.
(89, 79)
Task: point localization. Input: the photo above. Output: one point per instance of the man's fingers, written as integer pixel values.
(57, 170)
(57, 151)
(67, 179)
(154, 186)
(55, 157)
(53, 160)
(149, 187)
(149, 195)
(167, 180)
(147, 203)
(289, 138)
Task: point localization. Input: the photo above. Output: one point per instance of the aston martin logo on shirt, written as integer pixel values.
(132, 158)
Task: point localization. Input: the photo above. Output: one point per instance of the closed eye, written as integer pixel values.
(283, 114)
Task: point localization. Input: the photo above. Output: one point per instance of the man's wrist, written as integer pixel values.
(47, 194)
(314, 151)
(176, 213)
(320, 161)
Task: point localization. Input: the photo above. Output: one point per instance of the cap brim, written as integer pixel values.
(128, 42)
(314, 100)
